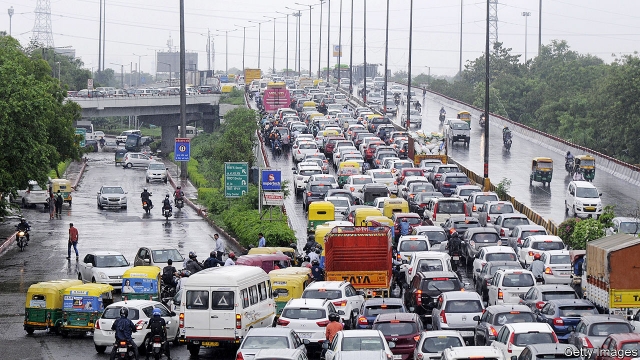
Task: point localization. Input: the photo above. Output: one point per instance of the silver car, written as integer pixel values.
(557, 267)
(456, 310)
(432, 343)
(112, 197)
(269, 338)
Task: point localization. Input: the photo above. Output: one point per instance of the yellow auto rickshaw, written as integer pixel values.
(64, 186)
(43, 306)
(319, 213)
(83, 305)
(346, 169)
(309, 104)
(288, 285)
(362, 213)
(586, 164)
(395, 205)
(378, 221)
(541, 170)
(141, 283)
(330, 132)
(465, 116)
(289, 251)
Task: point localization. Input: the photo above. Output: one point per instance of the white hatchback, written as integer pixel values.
(303, 148)
(491, 253)
(507, 286)
(536, 244)
(308, 317)
(104, 267)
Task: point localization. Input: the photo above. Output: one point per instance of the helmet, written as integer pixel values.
(22, 219)
(185, 273)
(315, 262)
(232, 254)
(124, 312)
(178, 187)
(334, 316)
(192, 255)
(306, 259)
(453, 233)
(536, 257)
(318, 251)
(166, 196)
(145, 189)
(568, 153)
(156, 312)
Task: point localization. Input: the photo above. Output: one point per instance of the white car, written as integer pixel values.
(436, 234)
(140, 311)
(279, 339)
(408, 244)
(343, 296)
(423, 261)
(385, 177)
(103, 267)
(326, 178)
(432, 343)
(358, 340)
(157, 171)
(536, 244)
(302, 149)
(463, 191)
(557, 267)
(343, 149)
(513, 338)
(492, 253)
(341, 205)
(308, 317)
(31, 196)
(355, 183)
(455, 311)
(136, 159)
(472, 352)
(112, 197)
(582, 199)
(302, 174)
(508, 284)
(378, 202)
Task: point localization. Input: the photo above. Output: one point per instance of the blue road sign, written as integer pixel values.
(183, 149)
(271, 180)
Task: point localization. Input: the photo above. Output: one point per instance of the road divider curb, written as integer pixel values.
(5, 245)
(82, 168)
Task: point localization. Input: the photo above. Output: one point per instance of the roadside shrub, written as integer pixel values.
(607, 216)
(246, 225)
(61, 168)
(502, 189)
(584, 231)
(565, 229)
(195, 176)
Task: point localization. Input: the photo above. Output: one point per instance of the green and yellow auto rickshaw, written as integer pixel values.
(141, 283)
(346, 169)
(43, 308)
(289, 283)
(319, 213)
(586, 164)
(465, 116)
(82, 305)
(541, 170)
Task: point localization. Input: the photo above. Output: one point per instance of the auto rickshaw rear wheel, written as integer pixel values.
(29, 330)
(100, 349)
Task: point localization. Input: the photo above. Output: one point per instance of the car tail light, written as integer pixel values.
(443, 317)
(299, 151)
(419, 297)
(488, 281)
(510, 343)
(437, 176)
(558, 322)
(308, 193)
(446, 184)
(323, 323)
(282, 322)
(416, 338)
(530, 253)
(548, 271)
(181, 320)
(238, 321)
(586, 343)
(410, 271)
(422, 205)
(474, 208)
(420, 356)
(363, 320)
(140, 325)
(502, 234)
(466, 210)
(239, 356)
(493, 331)
(500, 294)
(97, 326)
(540, 305)
(488, 218)
(340, 303)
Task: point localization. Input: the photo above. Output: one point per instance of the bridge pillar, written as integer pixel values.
(211, 119)
(169, 135)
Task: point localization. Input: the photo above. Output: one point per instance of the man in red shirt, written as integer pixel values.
(333, 327)
(73, 241)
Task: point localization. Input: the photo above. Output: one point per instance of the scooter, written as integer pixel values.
(442, 116)
(124, 350)
(481, 121)
(21, 239)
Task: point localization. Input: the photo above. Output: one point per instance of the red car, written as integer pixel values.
(403, 329)
(620, 347)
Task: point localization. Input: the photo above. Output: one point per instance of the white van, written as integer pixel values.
(190, 131)
(583, 200)
(220, 305)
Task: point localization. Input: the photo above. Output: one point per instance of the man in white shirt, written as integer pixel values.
(219, 246)
(231, 260)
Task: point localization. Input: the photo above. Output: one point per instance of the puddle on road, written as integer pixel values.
(15, 287)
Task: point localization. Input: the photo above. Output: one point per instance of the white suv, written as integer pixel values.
(507, 285)
(343, 296)
(308, 317)
(536, 244)
(491, 253)
(424, 261)
(455, 310)
(582, 199)
(513, 338)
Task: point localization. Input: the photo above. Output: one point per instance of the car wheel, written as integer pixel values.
(193, 350)
(574, 211)
(29, 330)
(24, 203)
(566, 208)
(165, 180)
(124, 207)
(79, 276)
(147, 180)
(100, 349)
(129, 165)
(93, 279)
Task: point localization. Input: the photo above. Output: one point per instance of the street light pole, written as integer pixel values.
(526, 15)
(10, 15)
(183, 88)
(159, 62)
(273, 60)
(339, 43)
(259, 39)
(328, 38)
(364, 90)
(408, 125)
(320, 42)
(286, 57)
(487, 55)
(460, 65)
(386, 59)
(310, 7)
(351, 54)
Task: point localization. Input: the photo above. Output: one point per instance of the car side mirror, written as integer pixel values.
(98, 193)
(341, 312)
(405, 286)
(477, 270)
(88, 264)
(519, 245)
(392, 344)
(293, 168)
(275, 294)
(306, 341)
(166, 169)
(405, 261)
(173, 313)
(571, 328)
(146, 261)
(514, 357)
(476, 318)
(360, 292)
(521, 296)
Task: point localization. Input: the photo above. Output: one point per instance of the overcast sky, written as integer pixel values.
(141, 27)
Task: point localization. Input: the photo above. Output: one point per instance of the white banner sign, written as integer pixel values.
(273, 198)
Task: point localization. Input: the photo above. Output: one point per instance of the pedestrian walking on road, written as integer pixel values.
(51, 202)
(59, 203)
(219, 246)
(73, 241)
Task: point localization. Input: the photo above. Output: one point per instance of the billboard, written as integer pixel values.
(276, 98)
(271, 180)
(170, 62)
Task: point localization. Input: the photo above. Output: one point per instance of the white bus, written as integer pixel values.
(220, 305)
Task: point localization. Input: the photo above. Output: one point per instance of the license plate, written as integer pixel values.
(466, 333)
(157, 345)
(210, 343)
(397, 357)
(590, 208)
(122, 350)
(305, 335)
(456, 258)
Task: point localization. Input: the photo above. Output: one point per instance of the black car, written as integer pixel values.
(420, 201)
(315, 191)
(422, 295)
(487, 272)
(460, 224)
(376, 122)
(476, 238)
(494, 317)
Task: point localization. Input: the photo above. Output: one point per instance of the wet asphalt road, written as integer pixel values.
(118, 230)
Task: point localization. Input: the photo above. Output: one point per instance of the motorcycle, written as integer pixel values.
(124, 350)
(568, 165)
(21, 239)
(481, 121)
(507, 144)
(442, 116)
(157, 346)
(277, 149)
(179, 203)
(455, 260)
(146, 207)
(539, 280)
(167, 293)
(166, 213)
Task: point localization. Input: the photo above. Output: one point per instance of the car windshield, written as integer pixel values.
(362, 343)
(112, 190)
(513, 317)
(604, 329)
(375, 310)
(308, 146)
(481, 199)
(447, 169)
(517, 280)
(501, 209)
(416, 172)
(429, 265)
(547, 245)
(414, 112)
(156, 167)
(105, 261)
(513, 222)
(460, 126)
(424, 197)
(361, 180)
(414, 220)
(162, 256)
(437, 344)
(396, 328)
(310, 172)
(501, 257)
(451, 207)
(304, 313)
(466, 192)
(402, 165)
(558, 295)
(463, 306)
(463, 225)
(485, 238)
(319, 188)
(435, 237)
(629, 228)
(631, 347)
(533, 338)
(526, 233)
(577, 311)
(322, 294)
(441, 285)
(560, 259)
(382, 175)
(590, 193)
(422, 187)
(414, 245)
(493, 269)
(265, 342)
(113, 312)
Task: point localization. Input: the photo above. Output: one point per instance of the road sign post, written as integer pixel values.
(236, 179)
(89, 84)
(83, 134)
(182, 150)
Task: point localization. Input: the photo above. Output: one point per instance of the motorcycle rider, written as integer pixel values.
(178, 194)
(443, 111)
(418, 106)
(146, 196)
(315, 255)
(405, 228)
(316, 271)
(123, 328)
(506, 134)
(537, 267)
(192, 264)
(568, 158)
(158, 326)
(454, 245)
(212, 261)
(168, 272)
(231, 260)
(24, 226)
(166, 204)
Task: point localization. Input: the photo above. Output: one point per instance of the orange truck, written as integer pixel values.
(362, 256)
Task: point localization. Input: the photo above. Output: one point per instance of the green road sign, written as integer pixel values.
(236, 179)
(82, 132)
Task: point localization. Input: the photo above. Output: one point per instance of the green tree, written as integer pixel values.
(35, 122)
(585, 231)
